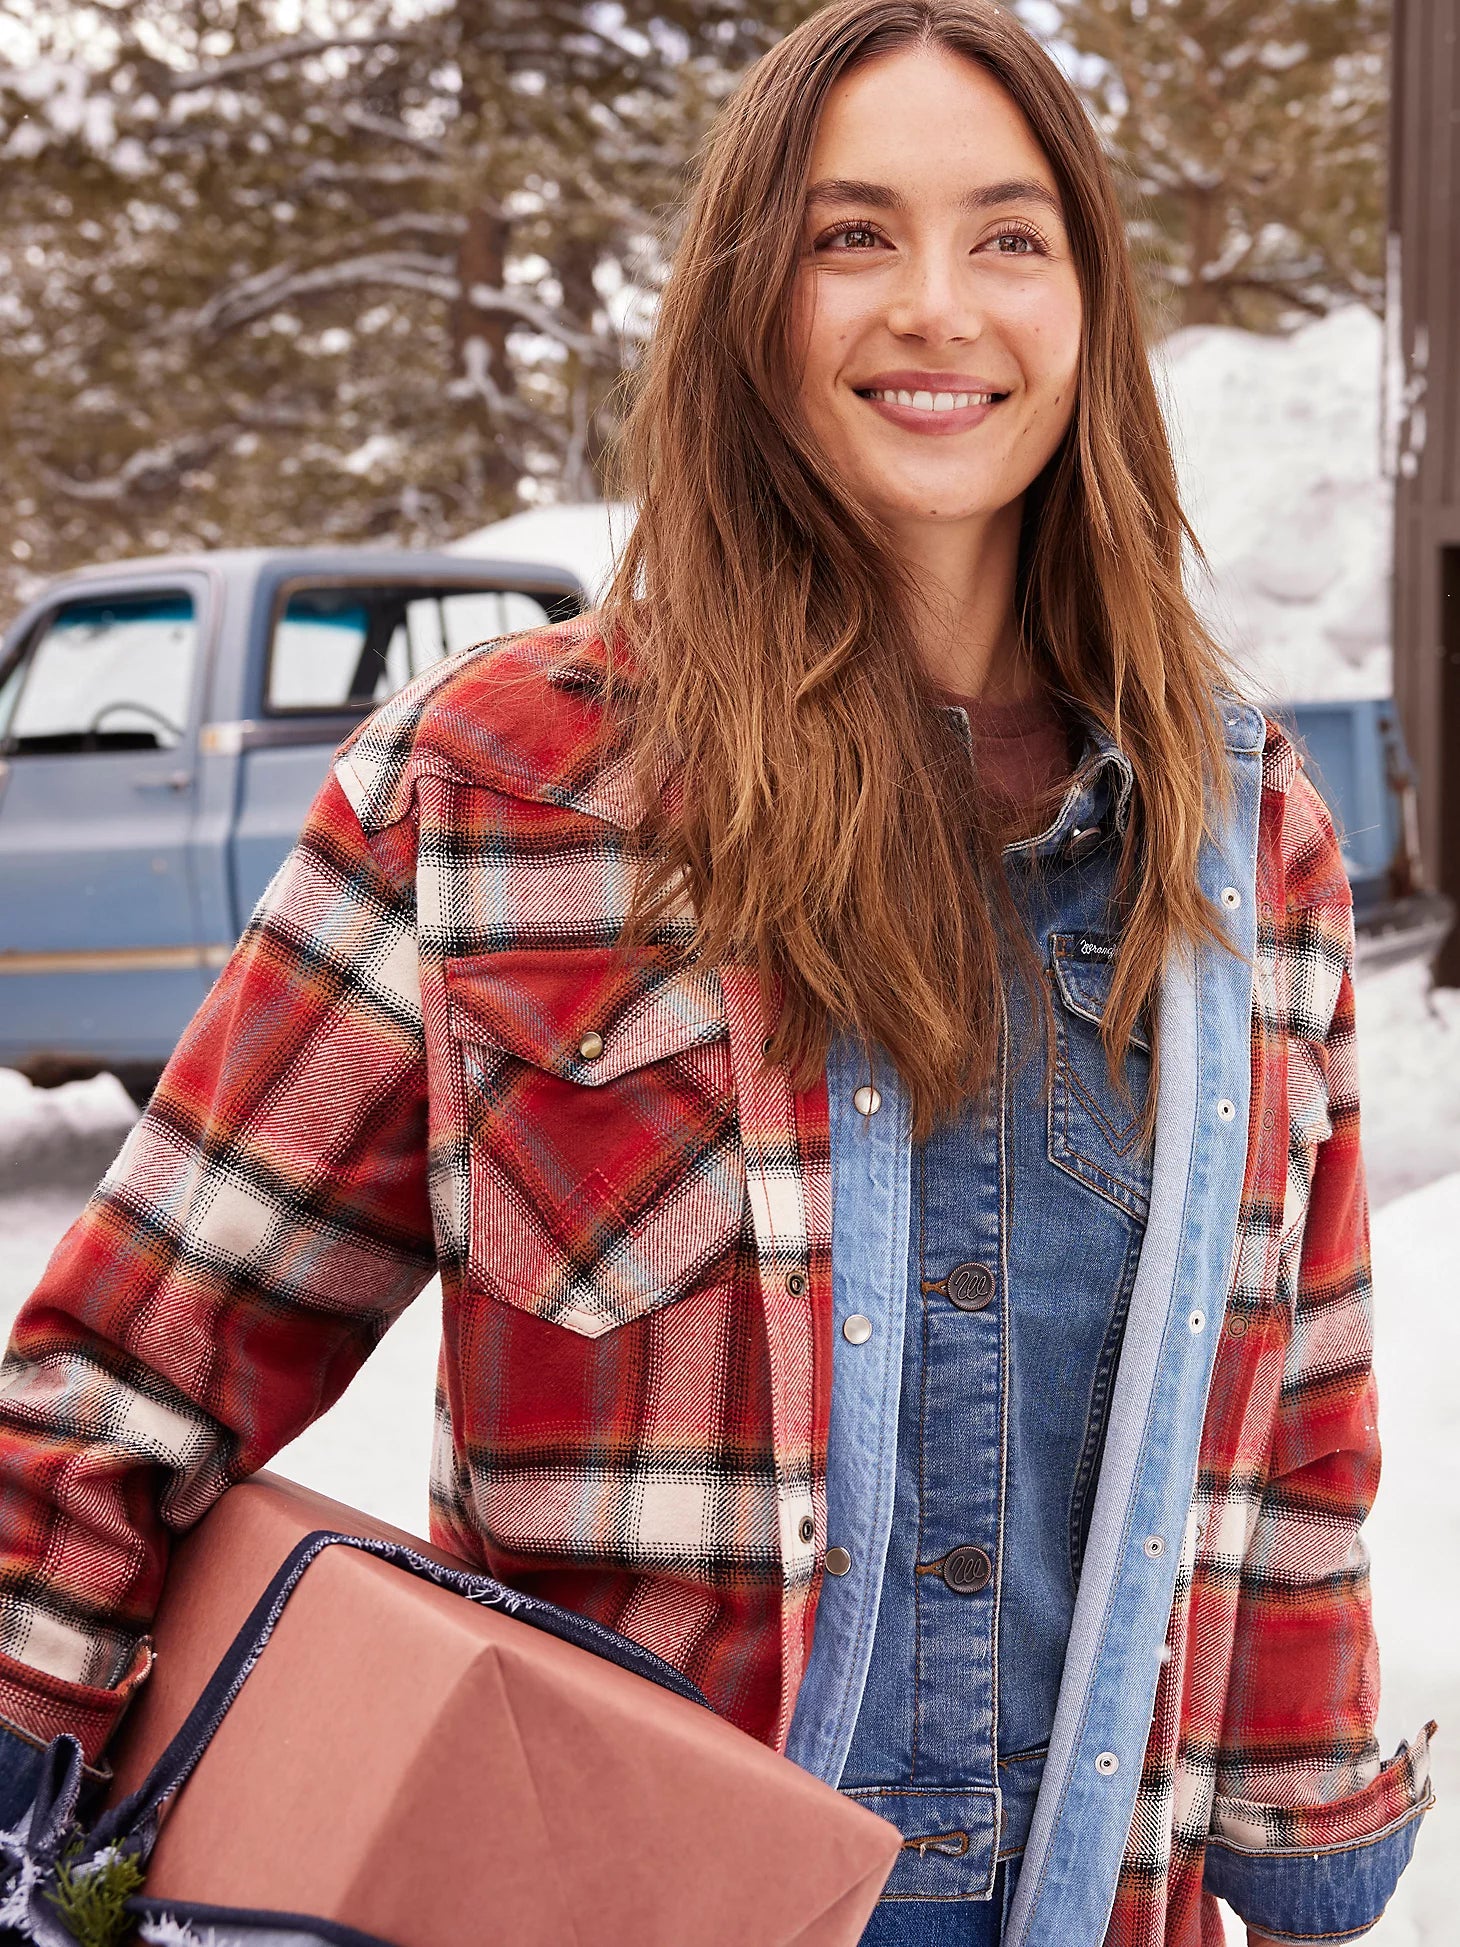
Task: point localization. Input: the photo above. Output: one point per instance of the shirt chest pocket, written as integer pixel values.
(606, 1174)
(1094, 1126)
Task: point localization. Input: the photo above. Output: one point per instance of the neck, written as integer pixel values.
(964, 574)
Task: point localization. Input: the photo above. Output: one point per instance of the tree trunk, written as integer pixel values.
(1201, 302)
(479, 336)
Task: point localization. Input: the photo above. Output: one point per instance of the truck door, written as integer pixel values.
(99, 947)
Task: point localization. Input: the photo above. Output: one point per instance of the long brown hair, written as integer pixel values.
(823, 830)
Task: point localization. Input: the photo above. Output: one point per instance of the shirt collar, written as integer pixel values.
(1098, 797)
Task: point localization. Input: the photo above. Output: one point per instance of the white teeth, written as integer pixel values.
(935, 402)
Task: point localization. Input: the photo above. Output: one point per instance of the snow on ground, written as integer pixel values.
(1277, 443)
(373, 1448)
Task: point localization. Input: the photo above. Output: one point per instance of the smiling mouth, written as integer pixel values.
(932, 402)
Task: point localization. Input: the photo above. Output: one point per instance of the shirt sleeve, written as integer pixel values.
(1310, 1832)
(266, 1220)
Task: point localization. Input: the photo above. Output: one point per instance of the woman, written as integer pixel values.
(752, 997)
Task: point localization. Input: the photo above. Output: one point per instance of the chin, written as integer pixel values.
(930, 501)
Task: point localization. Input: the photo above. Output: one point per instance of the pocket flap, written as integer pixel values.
(1084, 966)
(587, 1014)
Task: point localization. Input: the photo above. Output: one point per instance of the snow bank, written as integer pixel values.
(1277, 443)
(583, 537)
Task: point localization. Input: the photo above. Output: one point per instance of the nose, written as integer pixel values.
(933, 300)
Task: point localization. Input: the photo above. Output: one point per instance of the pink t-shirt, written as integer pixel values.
(1021, 751)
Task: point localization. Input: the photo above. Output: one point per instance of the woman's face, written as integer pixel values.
(937, 314)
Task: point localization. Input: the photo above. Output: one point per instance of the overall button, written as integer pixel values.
(967, 1569)
(970, 1286)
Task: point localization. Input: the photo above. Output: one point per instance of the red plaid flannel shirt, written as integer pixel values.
(426, 1051)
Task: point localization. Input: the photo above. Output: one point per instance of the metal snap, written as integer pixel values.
(1155, 1546)
(857, 1329)
(796, 1284)
(967, 1569)
(970, 1286)
(867, 1100)
(837, 1561)
(1231, 898)
(1082, 841)
(591, 1046)
(807, 1530)
(1226, 1109)
(1107, 1764)
(1197, 1321)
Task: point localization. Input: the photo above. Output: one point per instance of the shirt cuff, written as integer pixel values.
(40, 1706)
(1321, 1872)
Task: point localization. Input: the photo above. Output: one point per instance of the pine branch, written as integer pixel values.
(402, 270)
(227, 73)
(369, 124)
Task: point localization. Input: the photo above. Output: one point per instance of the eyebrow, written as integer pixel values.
(877, 196)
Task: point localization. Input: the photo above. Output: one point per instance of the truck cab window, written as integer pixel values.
(350, 648)
(111, 674)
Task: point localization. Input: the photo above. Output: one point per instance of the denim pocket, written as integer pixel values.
(1095, 1124)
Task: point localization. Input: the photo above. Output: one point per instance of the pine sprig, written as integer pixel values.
(91, 1896)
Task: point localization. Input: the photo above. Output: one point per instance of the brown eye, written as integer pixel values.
(851, 236)
(1018, 243)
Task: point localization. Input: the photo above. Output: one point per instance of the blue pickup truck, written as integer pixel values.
(165, 723)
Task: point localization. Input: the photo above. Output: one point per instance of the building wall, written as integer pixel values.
(1423, 420)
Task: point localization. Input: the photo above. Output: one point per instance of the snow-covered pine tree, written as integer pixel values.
(1252, 133)
(359, 279)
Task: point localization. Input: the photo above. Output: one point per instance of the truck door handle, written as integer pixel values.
(174, 781)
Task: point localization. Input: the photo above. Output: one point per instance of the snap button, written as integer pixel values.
(857, 1329)
(807, 1529)
(1226, 1109)
(970, 1286)
(1231, 898)
(1197, 1320)
(867, 1100)
(1107, 1764)
(796, 1284)
(591, 1046)
(1082, 841)
(837, 1561)
(967, 1569)
(1155, 1546)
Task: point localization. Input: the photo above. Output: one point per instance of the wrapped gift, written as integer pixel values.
(411, 1765)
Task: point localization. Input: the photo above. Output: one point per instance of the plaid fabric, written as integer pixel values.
(425, 1051)
(1263, 1732)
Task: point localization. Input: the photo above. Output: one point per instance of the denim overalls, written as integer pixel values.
(1024, 1235)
